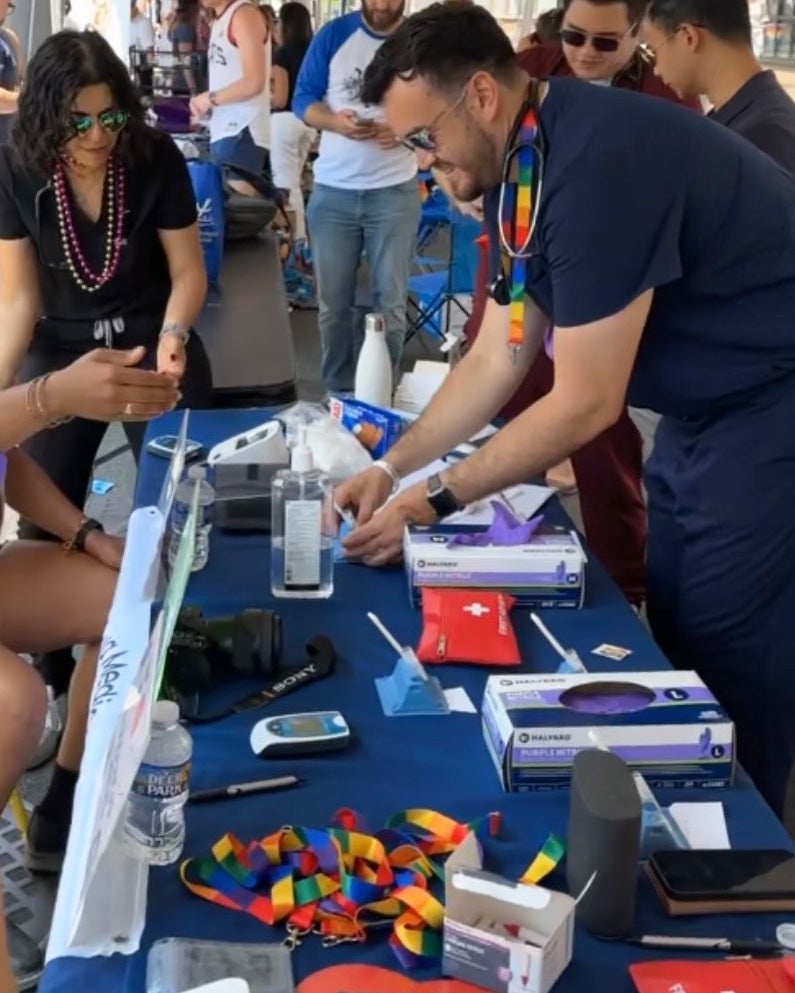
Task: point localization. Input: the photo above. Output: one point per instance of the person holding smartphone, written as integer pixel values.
(365, 197)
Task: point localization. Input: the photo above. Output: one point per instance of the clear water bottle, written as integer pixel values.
(154, 827)
(204, 521)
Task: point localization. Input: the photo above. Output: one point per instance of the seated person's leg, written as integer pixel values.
(70, 606)
(239, 150)
(23, 703)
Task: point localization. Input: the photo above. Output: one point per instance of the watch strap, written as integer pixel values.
(443, 501)
(78, 543)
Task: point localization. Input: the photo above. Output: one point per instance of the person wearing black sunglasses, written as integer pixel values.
(704, 47)
(661, 250)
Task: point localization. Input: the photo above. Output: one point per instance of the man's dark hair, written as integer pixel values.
(729, 20)
(445, 44)
(63, 65)
(548, 26)
(635, 8)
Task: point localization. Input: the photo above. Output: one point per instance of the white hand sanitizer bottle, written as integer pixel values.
(373, 383)
(302, 529)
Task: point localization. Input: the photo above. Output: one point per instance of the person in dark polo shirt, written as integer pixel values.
(704, 47)
(598, 43)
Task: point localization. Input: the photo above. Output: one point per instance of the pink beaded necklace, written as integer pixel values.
(81, 272)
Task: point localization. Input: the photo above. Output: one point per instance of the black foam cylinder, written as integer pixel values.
(603, 838)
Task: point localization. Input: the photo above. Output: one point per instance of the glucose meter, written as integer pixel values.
(300, 734)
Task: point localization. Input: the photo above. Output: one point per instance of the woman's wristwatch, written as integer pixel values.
(171, 327)
(78, 543)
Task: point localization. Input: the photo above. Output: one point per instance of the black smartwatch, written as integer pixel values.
(441, 499)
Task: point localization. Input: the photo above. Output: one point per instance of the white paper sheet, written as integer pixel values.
(703, 824)
(458, 700)
(416, 388)
(223, 986)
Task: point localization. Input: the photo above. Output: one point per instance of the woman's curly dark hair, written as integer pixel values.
(62, 66)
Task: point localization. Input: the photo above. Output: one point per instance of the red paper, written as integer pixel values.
(738, 976)
(373, 979)
(467, 626)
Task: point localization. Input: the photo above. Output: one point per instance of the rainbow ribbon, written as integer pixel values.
(518, 200)
(344, 880)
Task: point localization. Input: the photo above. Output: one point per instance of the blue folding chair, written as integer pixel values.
(433, 294)
(434, 218)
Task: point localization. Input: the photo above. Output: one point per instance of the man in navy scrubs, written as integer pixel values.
(664, 255)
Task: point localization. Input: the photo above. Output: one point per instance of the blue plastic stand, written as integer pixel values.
(409, 691)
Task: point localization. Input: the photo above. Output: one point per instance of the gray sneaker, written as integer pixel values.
(27, 959)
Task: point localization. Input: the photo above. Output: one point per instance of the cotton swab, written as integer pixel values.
(403, 651)
(571, 660)
(386, 633)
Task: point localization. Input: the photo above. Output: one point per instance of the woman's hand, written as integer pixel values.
(105, 548)
(104, 385)
(171, 356)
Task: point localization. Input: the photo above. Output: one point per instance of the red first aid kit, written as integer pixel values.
(741, 975)
(467, 626)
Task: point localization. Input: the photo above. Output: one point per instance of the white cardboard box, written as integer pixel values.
(479, 904)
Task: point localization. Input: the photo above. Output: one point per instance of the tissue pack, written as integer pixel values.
(501, 935)
(375, 428)
(548, 571)
(666, 725)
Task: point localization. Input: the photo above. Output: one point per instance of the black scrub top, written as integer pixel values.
(290, 58)
(642, 194)
(158, 196)
(763, 112)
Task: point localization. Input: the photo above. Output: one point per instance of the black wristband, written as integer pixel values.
(85, 529)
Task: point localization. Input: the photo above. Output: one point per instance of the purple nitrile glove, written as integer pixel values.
(505, 529)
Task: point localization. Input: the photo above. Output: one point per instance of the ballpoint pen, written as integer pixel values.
(735, 946)
(243, 789)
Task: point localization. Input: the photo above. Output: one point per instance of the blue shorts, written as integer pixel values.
(239, 150)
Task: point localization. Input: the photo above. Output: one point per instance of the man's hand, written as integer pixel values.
(379, 542)
(385, 136)
(105, 548)
(200, 106)
(350, 125)
(364, 493)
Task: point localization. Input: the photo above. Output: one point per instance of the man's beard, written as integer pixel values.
(382, 20)
(471, 180)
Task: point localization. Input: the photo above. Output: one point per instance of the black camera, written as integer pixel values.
(205, 653)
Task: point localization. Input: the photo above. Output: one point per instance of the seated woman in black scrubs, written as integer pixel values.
(99, 244)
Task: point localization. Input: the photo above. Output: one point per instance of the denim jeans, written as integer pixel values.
(343, 224)
(239, 150)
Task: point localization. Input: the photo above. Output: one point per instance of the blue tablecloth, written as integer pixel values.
(439, 763)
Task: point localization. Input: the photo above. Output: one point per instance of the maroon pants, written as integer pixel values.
(608, 471)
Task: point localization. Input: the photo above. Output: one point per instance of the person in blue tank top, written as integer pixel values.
(661, 247)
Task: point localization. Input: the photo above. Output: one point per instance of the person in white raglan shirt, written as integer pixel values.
(365, 196)
(238, 100)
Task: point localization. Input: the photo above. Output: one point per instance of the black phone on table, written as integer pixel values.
(726, 874)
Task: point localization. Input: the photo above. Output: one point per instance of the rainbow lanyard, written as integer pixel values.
(517, 217)
(342, 881)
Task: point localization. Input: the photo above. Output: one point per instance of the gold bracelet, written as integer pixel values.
(36, 399)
